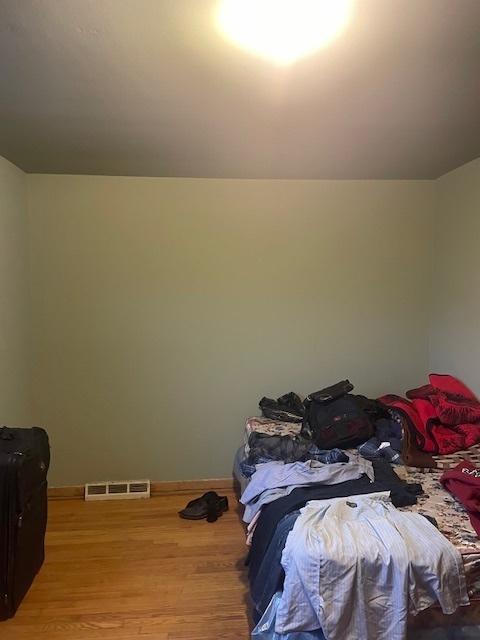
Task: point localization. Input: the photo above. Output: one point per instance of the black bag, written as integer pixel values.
(24, 462)
(334, 418)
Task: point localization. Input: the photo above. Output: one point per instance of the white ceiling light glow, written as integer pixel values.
(282, 30)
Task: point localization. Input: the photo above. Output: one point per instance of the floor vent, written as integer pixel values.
(117, 490)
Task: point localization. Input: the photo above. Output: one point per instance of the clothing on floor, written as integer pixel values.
(401, 493)
(356, 567)
(464, 483)
(273, 475)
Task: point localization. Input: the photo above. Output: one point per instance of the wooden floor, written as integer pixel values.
(134, 569)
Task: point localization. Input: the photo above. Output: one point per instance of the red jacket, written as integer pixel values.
(444, 415)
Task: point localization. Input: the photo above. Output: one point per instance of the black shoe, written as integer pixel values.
(216, 508)
(209, 506)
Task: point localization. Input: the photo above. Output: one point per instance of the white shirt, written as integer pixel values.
(356, 567)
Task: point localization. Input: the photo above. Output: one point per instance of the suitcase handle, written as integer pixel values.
(4, 435)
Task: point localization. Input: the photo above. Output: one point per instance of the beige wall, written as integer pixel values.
(455, 333)
(14, 308)
(164, 308)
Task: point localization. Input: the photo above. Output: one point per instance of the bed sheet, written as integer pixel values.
(451, 517)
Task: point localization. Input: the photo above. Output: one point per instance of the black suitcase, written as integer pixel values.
(24, 462)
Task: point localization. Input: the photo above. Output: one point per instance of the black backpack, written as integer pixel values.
(335, 418)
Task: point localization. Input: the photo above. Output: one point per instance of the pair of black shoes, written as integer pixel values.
(209, 506)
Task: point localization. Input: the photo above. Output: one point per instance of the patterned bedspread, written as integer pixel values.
(452, 519)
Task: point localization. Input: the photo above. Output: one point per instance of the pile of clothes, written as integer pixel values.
(270, 440)
(439, 418)
(355, 567)
(320, 428)
(321, 503)
(442, 417)
(338, 523)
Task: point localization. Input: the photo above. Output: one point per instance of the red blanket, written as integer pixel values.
(444, 415)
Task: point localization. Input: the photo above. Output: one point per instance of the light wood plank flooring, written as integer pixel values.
(134, 569)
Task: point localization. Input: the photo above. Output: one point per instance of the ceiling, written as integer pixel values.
(149, 87)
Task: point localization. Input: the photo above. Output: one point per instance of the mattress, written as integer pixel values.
(240, 480)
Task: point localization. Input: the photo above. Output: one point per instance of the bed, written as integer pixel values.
(453, 522)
